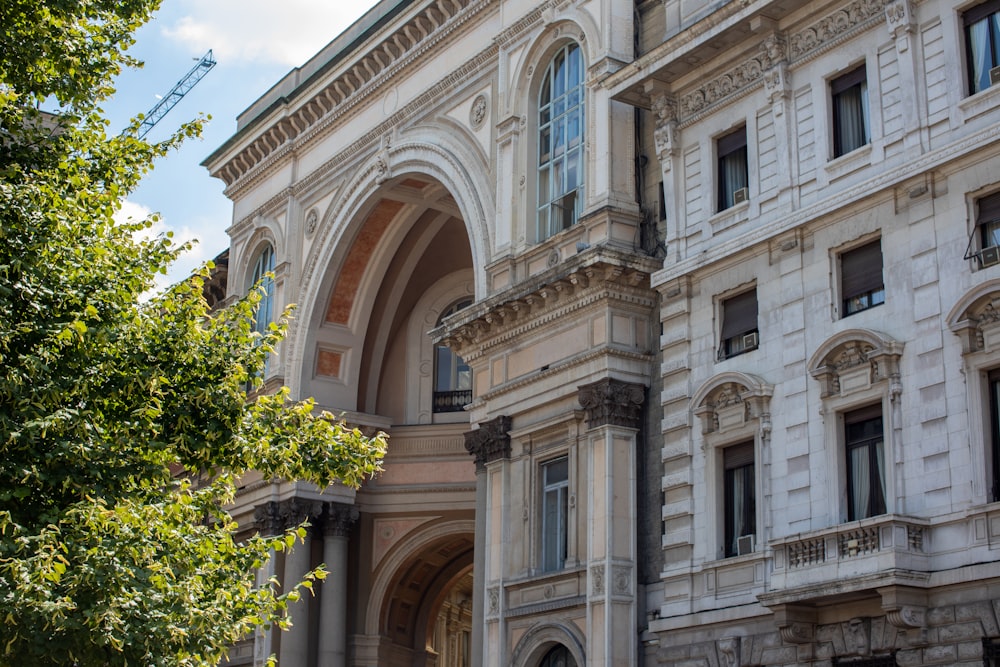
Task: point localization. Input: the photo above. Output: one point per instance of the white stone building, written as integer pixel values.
(706, 289)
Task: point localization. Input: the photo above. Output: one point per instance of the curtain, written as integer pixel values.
(979, 40)
(860, 482)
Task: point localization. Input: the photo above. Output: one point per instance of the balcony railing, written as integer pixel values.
(452, 401)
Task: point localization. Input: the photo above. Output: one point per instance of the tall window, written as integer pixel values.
(555, 492)
(861, 284)
(740, 505)
(259, 276)
(864, 444)
(994, 439)
(982, 43)
(452, 376)
(988, 220)
(849, 93)
(560, 142)
(733, 174)
(739, 325)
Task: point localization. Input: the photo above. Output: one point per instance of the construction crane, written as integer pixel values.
(181, 89)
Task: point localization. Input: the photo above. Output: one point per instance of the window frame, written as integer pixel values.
(858, 294)
(456, 396)
(549, 562)
(734, 459)
(560, 106)
(731, 153)
(875, 444)
(849, 101)
(732, 336)
(990, 13)
(262, 275)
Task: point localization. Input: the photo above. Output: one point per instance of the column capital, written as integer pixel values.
(611, 402)
(490, 442)
(338, 519)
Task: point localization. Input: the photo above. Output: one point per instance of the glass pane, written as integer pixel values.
(572, 170)
(544, 188)
(559, 71)
(557, 471)
(544, 146)
(546, 92)
(558, 136)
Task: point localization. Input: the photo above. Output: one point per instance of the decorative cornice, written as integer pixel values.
(737, 80)
(490, 442)
(376, 66)
(611, 402)
(833, 28)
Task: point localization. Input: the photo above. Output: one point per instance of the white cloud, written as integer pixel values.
(262, 31)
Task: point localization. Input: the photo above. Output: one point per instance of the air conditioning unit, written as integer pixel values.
(741, 196)
(989, 256)
(745, 545)
(995, 75)
(750, 340)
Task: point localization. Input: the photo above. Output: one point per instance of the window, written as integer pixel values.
(863, 442)
(555, 492)
(861, 283)
(733, 175)
(988, 224)
(849, 93)
(560, 142)
(740, 508)
(991, 652)
(558, 657)
(982, 44)
(259, 277)
(452, 376)
(739, 325)
(993, 446)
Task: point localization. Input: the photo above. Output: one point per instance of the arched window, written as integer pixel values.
(558, 657)
(560, 142)
(265, 309)
(452, 376)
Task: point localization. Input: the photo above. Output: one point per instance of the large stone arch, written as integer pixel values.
(541, 638)
(427, 151)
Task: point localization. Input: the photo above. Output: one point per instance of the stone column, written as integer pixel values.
(267, 520)
(614, 417)
(333, 591)
(294, 646)
(490, 442)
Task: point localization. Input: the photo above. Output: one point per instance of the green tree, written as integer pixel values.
(108, 556)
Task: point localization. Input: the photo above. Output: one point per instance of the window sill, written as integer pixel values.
(848, 163)
(980, 103)
(726, 218)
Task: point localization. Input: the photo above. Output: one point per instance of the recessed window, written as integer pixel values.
(560, 142)
(452, 376)
(739, 499)
(261, 277)
(555, 510)
(733, 177)
(988, 230)
(864, 445)
(993, 447)
(861, 284)
(739, 325)
(982, 45)
(849, 94)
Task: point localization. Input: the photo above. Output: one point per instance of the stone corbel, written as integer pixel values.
(778, 87)
(666, 135)
(905, 607)
(899, 17)
(796, 623)
(612, 402)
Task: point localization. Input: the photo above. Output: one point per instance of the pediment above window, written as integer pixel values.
(729, 401)
(854, 361)
(976, 319)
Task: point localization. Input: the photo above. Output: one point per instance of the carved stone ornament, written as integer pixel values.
(493, 594)
(772, 51)
(622, 580)
(490, 442)
(272, 518)
(383, 171)
(899, 18)
(665, 135)
(729, 652)
(797, 633)
(833, 26)
(267, 519)
(858, 364)
(857, 636)
(339, 518)
(731, 405)
(477, 115)
(612, 402)
(312, 219)
(597, 579)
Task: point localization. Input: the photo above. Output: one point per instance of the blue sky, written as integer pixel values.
(255, 42)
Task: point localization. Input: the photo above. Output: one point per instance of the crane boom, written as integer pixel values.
(179, 90)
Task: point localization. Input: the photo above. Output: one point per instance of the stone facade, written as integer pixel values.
(729, 391)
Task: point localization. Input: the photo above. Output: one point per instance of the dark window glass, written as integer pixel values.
(994, 439)
(555, 492)
(558, 657)
(739, 490)
(861, 283)
(988, 220)
(982, 43)
(864, 444)
(739, 325)
(733, 176)
(452, 376)
(849, 93)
